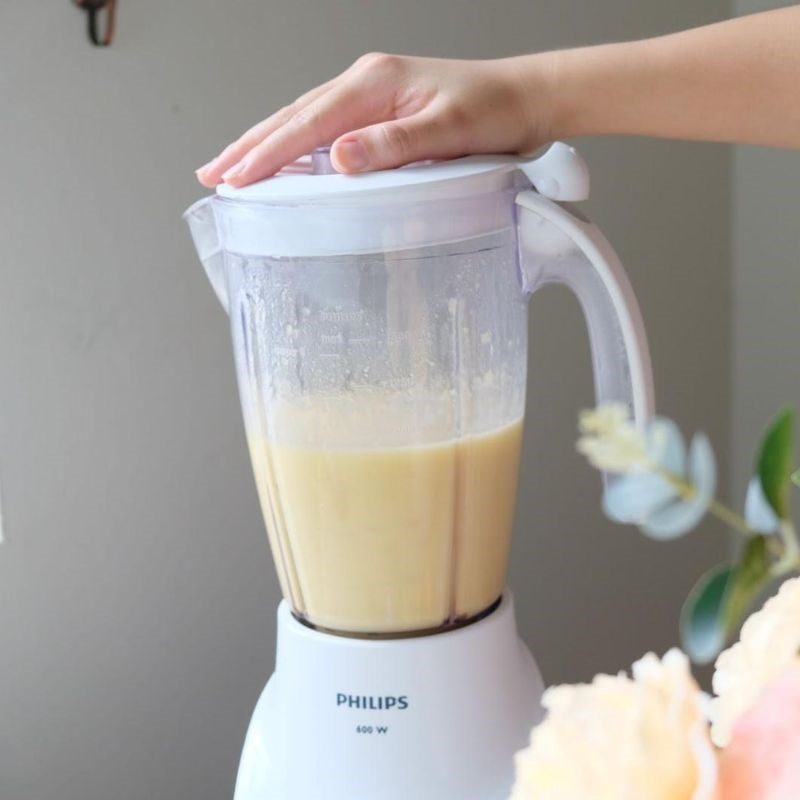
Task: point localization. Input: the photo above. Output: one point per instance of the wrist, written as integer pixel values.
(601, 90)
(574, 97)
(533, 79)
(567, 96)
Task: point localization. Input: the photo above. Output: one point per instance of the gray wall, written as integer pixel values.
(766, 280)
(136, 590)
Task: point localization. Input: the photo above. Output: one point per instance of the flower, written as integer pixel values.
(659, 489)
(758, 512)
(610, 441)
(769, 645)
(763, 758)
(622, 739)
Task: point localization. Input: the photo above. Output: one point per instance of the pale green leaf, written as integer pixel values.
(721, 598)
(775, 462)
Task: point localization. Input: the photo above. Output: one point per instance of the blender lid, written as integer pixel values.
(559, 174)
(309, 209)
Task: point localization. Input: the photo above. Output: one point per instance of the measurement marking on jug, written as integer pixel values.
(331, 315)
(370, 730)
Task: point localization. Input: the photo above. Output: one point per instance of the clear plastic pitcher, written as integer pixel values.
(379, 326)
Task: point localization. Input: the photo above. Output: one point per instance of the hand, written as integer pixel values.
(387, 110)
(735, 81)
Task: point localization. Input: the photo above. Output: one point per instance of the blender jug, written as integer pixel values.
(379, 327)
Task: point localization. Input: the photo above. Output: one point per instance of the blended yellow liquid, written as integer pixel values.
(388, 540)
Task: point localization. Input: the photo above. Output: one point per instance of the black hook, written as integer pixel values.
(96, 9)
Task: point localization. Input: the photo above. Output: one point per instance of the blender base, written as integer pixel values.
(435, 717)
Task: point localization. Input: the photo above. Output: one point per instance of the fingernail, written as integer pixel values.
(235, 170)
(352, 156)
(208, 166)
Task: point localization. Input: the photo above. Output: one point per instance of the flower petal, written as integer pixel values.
(768, 645)
(665, 445)
(758, 512)
(673, 521)
(703, 468)
(683, 515)
(633, 498)
(763, 758)
(640, 738)
(604, 419)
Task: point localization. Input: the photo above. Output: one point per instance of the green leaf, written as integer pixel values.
(796, 477)
(720, 600)
(751, 576)
(702, 624)
(775, 462)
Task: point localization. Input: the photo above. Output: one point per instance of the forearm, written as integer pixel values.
(736, 81)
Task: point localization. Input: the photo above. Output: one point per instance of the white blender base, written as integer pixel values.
(434, 717)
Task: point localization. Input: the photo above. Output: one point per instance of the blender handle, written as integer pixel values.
(557, 245)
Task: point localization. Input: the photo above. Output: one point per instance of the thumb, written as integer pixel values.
(395, 143)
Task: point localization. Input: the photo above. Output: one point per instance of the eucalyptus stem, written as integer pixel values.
(718, 509)
(790, 560)
(730, 517)
(785, 567)
(788, 555)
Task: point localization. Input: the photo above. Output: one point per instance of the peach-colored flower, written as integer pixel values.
(762, 761)
(769, 644)
(619, 738)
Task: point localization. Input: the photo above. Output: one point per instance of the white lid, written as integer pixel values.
(309, 209)
(559, 174)
(309, 182)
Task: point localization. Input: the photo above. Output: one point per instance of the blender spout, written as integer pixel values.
(205, 235)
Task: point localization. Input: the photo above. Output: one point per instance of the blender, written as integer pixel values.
(379, 326)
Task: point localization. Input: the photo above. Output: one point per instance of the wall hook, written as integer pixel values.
(100, 20)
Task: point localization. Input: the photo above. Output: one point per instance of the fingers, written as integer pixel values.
(337, 111)
(428, 134)
(365, 94)
(211, 174)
